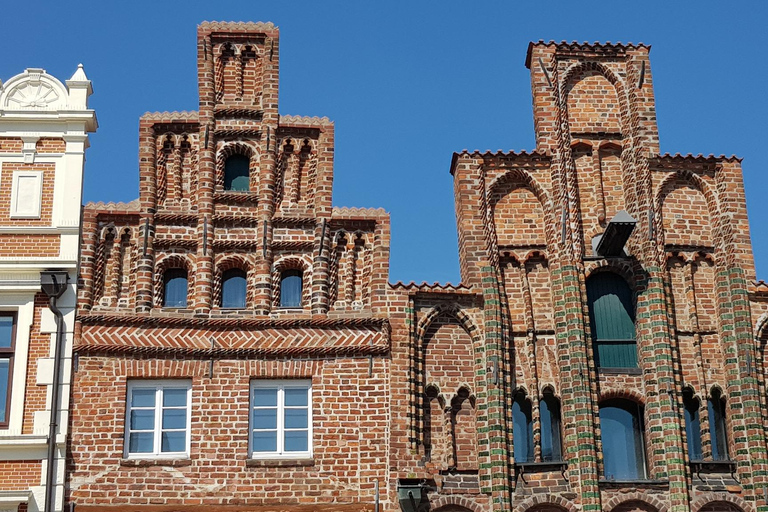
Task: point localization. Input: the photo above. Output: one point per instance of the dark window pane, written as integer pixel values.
(175, 295)
(622, 434)
(143, 397)
(5, 383)
(290, 289)
(173, 441)
(265, 397)
(296, 441)
(236, 173)
(142, 419)
(174, 418)
(233, 289)
(264, 441)
(717, 427)
(522, 429)
(6, 331)
(174, 397)
(141, 442)
(612, 321)
(550, 429)
(692, 425)
(296, 397)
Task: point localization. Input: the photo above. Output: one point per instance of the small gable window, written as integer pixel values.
(717, 427)
(291, 284)
(233, 289)
(175, 288)
(522, 428)
(612, 319)
(549, 411)
(236, 173)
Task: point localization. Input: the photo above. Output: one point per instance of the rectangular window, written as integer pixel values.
(157, 419)
(281, 419)
(7, 339)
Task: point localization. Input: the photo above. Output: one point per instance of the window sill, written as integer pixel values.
(620, 371)
(642, 483)
(713, 466)
(142, 463)
(539, 467)
(279, 463)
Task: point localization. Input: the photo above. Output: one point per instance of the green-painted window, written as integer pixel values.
(612, 319)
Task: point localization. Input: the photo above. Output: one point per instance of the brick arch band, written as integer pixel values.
(292, 263)
(731, 501)
(541, 500)
(640, 497)
(168, 262)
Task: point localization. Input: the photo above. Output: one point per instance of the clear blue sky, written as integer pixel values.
(407, 84)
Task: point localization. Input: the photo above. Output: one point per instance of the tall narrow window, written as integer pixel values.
(522, 428)
(692, 424)
(717, 427)
(612, 319)
(233, 289)
(236, 173)
(7, 338)
(621, 425)
(175, 288)
(549, 411)
(290, 289)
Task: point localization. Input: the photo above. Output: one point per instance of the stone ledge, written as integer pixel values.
(279, 463)
(143, 463)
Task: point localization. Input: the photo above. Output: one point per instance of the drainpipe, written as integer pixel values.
(54, 284)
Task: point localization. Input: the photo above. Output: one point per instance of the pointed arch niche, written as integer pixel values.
(443, 389)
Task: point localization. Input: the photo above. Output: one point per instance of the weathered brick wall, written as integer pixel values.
(18, 473)
(350, 419)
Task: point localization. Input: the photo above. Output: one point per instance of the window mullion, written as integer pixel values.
(158, 418)
(281, 420)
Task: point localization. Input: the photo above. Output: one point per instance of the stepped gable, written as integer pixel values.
(114, 207)
(700, 158)
(358, 213)
(435, 287)
(305, 121)
(576, 47)
(171, 117)
(237, 26)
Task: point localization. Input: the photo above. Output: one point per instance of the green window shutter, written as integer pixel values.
(612, 319)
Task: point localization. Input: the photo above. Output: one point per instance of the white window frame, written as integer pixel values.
(159, 386)
(281, 385)
(30, 211)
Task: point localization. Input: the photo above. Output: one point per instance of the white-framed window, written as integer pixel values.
(26, 194)
(281, 419)
(157, 418)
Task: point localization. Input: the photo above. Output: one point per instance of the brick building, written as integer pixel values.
(239, 346)
(44, 128)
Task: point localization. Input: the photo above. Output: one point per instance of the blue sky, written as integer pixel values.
(407, 84)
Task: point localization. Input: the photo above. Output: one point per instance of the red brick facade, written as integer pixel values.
(414, 388)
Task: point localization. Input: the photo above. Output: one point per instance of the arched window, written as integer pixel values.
(612, 318)
(717, 427)
(549, 412)
(621, 425)
(175, 288)
(290, 288)
(236, 173)
(692, 424)
(233, 289)
(522, 428)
